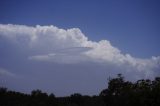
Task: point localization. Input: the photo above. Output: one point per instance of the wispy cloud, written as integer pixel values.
(68, 55)
(4, 72)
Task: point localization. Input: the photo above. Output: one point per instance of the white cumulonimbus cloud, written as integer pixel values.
(72, 46)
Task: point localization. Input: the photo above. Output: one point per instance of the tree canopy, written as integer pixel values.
(119, 92)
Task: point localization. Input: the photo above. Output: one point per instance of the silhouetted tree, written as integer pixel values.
(118, 93)
(125, 93)
(77, 99)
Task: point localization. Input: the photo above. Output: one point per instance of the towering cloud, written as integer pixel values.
(71, 46)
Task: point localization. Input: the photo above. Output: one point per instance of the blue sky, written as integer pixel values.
(131, 25)
(78, 43)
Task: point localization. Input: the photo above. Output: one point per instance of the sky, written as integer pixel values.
(69, 46)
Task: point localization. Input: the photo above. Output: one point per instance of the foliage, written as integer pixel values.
(119, 93)
(125, 93)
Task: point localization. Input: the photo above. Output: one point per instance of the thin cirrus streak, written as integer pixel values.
(67, 55)
(4, 72)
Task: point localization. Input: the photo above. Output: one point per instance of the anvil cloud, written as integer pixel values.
(50, 44)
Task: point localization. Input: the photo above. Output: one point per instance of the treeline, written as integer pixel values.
(119, 93)
(125, 93)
